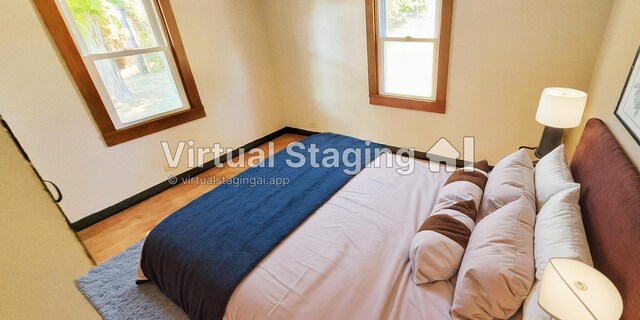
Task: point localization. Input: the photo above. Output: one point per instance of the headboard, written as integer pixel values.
(610, 202)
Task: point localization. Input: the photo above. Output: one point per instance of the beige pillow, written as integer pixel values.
(552, 176)
(511, 178)
(437, 249)
(497, 270)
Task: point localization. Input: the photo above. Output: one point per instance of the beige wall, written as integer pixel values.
(618, 49)
(503, 54)
(40, 255)
(263, 64)
(226, 46)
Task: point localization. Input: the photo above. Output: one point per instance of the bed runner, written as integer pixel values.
(199, 254)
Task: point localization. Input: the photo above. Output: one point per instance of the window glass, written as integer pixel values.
(413, 18)
(408, 43)
(132, 79)
(112, 25)
(140, 86)
(408, 68)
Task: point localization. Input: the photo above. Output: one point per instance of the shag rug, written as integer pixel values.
(111, 289)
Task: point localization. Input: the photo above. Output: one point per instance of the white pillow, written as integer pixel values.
(559, 231)
(552, 176)
(497, 270)
(531, 310)
(511, 178)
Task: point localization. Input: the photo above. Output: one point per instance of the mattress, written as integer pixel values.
(350, 259)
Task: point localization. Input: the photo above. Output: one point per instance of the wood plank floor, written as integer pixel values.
(111, 236)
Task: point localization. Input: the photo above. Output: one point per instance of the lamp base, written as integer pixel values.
(551, 139)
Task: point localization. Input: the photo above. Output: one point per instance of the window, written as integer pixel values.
(128, 61)
(408, 53)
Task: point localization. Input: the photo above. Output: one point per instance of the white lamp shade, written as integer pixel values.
(573, 290)
(561, 107)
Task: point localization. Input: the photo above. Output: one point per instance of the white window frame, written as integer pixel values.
(89, 60)
(382, 38)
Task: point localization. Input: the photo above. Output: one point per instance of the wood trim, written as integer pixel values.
(404, 103)
(179, 53)
(372, 46)
(375, 98)
(67, 47)
(146, 128)
(63, 39)
(443, 54)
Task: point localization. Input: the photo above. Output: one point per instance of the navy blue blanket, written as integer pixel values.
(198, 255)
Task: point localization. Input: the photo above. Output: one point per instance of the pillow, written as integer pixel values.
(497, 270)
(559, 231)
(464, 184)
(531, 310)
(552, 176)
(510, 179)
(438, 247)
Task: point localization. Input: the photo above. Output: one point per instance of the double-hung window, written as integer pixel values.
(128, 61)
(408, 52)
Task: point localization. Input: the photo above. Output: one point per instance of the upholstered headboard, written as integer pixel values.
(610, 202)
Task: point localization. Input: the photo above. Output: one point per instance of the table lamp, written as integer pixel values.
(559, 108)
(573, 290)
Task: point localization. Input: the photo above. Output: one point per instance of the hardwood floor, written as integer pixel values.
(111, 236)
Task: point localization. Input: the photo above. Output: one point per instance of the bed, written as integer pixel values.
(348, 259)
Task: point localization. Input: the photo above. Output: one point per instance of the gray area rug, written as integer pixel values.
(111, 289)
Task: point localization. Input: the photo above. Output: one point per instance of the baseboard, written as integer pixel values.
(301, 132)
(417, 154)
(146, 194)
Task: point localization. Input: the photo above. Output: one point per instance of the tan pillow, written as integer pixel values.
(437, 249)
(509, 180)
(497, 270)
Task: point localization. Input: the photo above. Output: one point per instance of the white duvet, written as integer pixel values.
(350, 259)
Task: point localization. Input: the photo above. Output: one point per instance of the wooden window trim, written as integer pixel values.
(54, 21)
(375, 98)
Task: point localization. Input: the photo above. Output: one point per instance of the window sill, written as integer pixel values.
(404, 103)
(146, 128)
